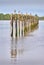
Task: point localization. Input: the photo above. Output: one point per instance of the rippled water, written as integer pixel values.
(27, 50)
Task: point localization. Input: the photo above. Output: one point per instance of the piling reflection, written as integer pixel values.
(20, 47)
(35, 27)
(17, 47)
(13, 48)
(32, 28)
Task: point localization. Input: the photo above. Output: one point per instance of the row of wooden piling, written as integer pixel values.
(21, 24)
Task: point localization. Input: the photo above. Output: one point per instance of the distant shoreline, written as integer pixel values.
(41, 18)
(8, 17)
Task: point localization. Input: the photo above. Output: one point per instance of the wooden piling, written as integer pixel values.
(23, 23)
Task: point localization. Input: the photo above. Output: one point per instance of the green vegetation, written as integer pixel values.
(41, 18)
(33, 26)
(18, 16)
(4, 16)
(25, 30)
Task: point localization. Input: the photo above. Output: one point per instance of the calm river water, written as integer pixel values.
(27, 50)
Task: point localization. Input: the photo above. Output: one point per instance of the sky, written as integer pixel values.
(29, 6)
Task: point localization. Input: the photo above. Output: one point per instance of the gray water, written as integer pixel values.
(28, 50)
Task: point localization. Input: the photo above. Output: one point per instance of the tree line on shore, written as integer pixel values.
(4, 16)
(8, 16)
(41, 18)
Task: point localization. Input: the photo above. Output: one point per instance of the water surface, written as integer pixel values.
(27, 50)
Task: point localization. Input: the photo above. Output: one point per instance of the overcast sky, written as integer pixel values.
(29, 6)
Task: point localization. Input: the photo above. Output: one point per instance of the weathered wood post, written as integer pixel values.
(31, 21)
(11, 25)
(27, 22)
(18, 24)
(22, 26)
(14, 29)
(15, 24)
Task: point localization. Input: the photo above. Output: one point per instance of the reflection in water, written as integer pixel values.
(35, 28)
(20, 47)
(28, 50)
(16, 47)
(13, 48)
